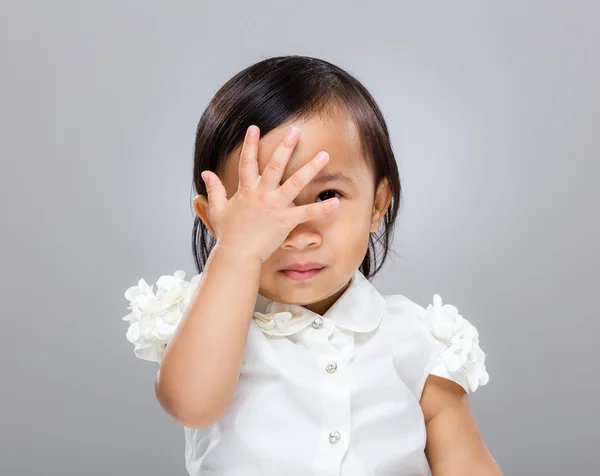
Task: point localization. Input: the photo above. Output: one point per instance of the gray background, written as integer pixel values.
(494, 111)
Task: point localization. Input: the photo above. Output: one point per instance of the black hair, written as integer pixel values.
(279, 90)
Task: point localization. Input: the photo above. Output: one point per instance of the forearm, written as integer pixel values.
(201, 364)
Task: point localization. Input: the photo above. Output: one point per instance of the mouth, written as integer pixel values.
(302, 272)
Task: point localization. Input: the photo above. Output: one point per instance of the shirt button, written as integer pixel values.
(331, 367)
(317, 323)
(334, 437)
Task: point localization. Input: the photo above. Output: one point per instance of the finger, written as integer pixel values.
(313, 210)
(290, 189)
(273, 172)
(217, 195)
(248, 168)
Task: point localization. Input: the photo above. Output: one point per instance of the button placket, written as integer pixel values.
(336, 396)
(336, 422)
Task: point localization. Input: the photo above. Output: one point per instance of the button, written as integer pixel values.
(334, 437)
(331, 367)
(317, 323)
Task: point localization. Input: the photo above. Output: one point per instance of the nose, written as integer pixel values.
(301, 237)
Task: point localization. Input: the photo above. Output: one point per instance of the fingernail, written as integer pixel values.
(322, 157)
(252, 131)
(205, 176)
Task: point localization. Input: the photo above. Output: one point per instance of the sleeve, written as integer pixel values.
(415, 352)
(154, 317)
(456, 346)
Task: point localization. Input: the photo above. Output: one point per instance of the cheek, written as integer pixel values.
(350, 229)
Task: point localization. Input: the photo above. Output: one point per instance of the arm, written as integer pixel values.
(200, 367)
(454, 445)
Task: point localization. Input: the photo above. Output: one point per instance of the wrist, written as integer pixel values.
(237, 254)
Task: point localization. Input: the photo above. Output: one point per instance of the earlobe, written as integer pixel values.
(383, 198)
(202, 209)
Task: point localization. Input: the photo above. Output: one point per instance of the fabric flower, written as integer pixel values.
(154, 317)
(463, 353)
(282, 319)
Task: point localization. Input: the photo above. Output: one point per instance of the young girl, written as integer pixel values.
(288, 361)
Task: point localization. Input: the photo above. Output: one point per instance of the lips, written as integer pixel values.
(302, 271)
(300, 275)
(303, 267)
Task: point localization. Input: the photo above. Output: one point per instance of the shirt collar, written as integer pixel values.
(359, 309)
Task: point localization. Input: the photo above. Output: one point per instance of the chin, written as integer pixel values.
(287, 291)
(300, 297)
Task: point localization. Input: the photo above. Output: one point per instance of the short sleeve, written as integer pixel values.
(154, 317)
(415, 352)
(456, 343)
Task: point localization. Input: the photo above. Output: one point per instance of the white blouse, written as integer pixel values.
(337, 394)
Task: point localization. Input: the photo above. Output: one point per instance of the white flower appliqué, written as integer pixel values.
(463, 353)
(282, 319)
(154, 317)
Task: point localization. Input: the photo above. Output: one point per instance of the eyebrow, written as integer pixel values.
(333, 176)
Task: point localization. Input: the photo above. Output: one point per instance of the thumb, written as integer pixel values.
(217, 195)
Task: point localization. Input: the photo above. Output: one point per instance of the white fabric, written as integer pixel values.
(286, 403)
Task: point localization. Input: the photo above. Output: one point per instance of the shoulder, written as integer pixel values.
(448, 342)
(402, 311)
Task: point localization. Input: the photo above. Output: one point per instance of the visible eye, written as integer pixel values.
(327, 194)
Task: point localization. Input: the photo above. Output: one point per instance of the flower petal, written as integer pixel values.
(133, 333)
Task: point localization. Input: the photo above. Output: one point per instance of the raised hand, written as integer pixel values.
(261, 214)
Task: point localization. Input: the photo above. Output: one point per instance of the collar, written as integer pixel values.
(359, 309)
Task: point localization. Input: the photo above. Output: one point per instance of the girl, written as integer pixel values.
(288, 361)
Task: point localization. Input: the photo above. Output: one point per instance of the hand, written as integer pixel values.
(261, 214)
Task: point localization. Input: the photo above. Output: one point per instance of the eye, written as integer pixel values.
(327, 194)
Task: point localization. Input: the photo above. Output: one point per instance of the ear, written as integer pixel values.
(202, 209)
(381, 203)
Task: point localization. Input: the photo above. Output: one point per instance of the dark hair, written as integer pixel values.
(282, 89)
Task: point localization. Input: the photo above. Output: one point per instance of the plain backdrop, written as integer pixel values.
(494, 112)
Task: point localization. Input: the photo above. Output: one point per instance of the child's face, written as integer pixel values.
(339, 242)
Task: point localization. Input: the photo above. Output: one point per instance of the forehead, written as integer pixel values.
(335, 134)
